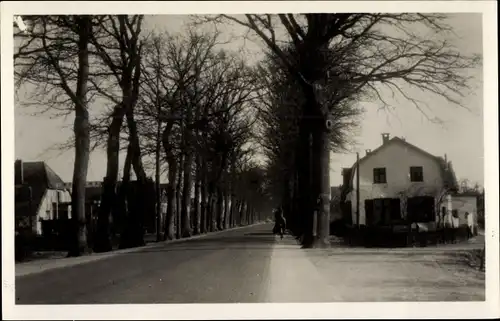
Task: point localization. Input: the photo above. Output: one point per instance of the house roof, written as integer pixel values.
(446, 167)
(40, 177)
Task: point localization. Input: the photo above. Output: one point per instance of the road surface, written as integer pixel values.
(250, 265)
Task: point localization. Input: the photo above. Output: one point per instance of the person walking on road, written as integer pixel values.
(279, 222)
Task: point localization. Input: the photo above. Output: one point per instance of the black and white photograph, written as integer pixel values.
(202, 156)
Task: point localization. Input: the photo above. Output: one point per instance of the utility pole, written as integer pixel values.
(158, 138)
(357, 189)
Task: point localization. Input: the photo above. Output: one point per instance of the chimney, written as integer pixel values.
(18, 172)
(368, 151)
(385, 138)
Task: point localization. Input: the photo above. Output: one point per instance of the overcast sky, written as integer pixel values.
(460, 136)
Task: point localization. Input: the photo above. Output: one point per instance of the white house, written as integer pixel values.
(40, 195)
(398, 180)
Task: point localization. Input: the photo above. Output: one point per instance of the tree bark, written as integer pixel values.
(134, 141)
(142, 206)
(127, 167)
(82, 140)
(231, 211)
(227, 210)
(321, 180)
(220, 208)
(186, 194)
(172, 184)
(211, 210)
(171, 203)
(178, 196)
(244, 212)
(204, 200)
(304, 227)
(239, 211)
(102, 238)
(197, 195)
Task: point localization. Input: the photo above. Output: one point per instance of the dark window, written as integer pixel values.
(382, 211)
(379, 176)
(421, 209)
(416, 174)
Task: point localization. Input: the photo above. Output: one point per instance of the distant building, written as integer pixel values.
(93, 194)
(49, 199)
(397, 181)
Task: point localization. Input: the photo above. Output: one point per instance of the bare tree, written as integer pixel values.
(371, 51)
(53, 59)
(279, 112)
(118, 46)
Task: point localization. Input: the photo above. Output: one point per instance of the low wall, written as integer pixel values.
(386, 237)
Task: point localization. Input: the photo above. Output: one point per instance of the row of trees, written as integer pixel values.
(177, 96)
(198, 101)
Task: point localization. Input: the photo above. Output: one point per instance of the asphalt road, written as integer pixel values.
(224, 268)
(250, 265)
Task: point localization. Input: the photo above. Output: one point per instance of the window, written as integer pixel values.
(416, 174)
(384, 211)
(421, 209)
(379, 176)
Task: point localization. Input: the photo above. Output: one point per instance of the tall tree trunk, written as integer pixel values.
(186, 194)
(178, 195)
(227, 210)
(305, 184)
(219, 207)
(171, 201)
(133, 233)
(204, 200)
(244, 211)
(127, 167)
(231, 211)
(119, 212)
(172, 184)
(197, 195)
(211, 210)
(102, 238)
(82, 140)
(321, 179)
(238, 212)
(134, 141)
